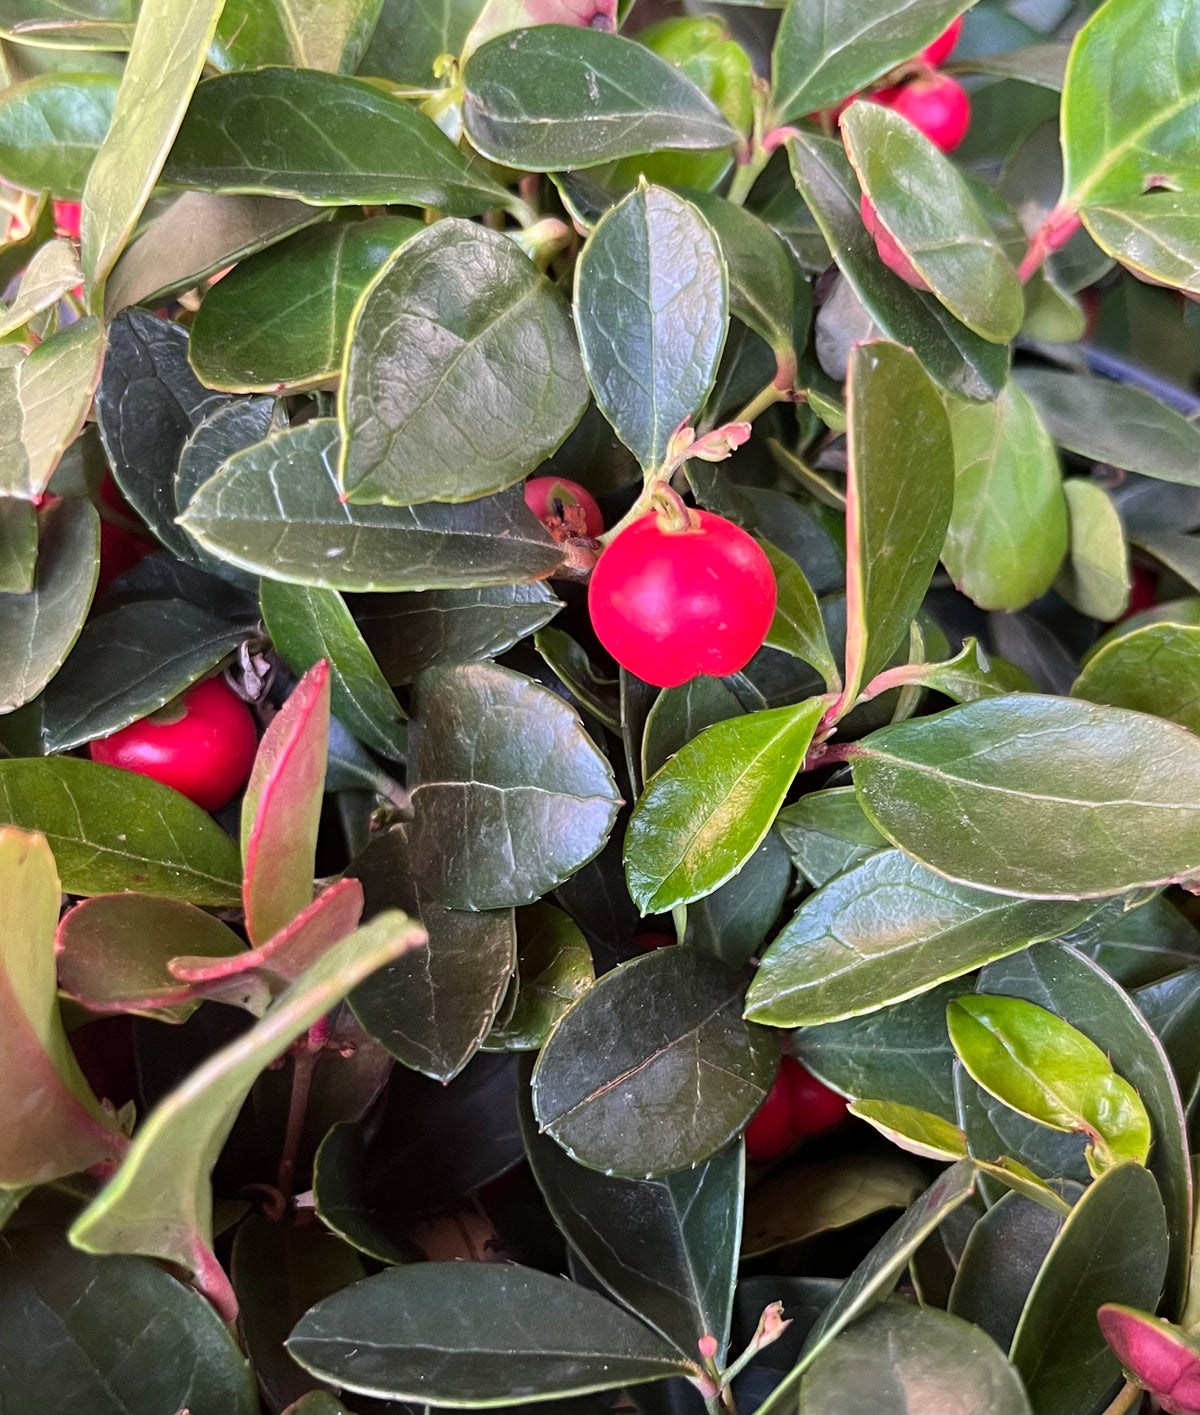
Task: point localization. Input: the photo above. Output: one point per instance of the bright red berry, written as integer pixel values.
(770, 1131)
(812, 1106)
(889, 252)
(943, 46)
(671, 604)
(564, 507)
(66, 218)
(202, 744)
(936, 106)
(1143, 590)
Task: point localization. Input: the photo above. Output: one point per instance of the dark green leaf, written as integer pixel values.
(827, 833)
(340, 1195)
(554, 968)
(976, 792)
(1139, 946)
(557, 96)
(18, 546)
(50, 130)
(1153, 234)
(680, 714)
(673, 1029)
(570, 664)
(733, 922)
(798, 627)
(995, 1133)
(1172, 1008)
(1153, 670)
(462, 372)
(411, 34)
(310, 34)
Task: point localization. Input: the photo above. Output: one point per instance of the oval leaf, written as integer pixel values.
(51, 128)
(1152, 670)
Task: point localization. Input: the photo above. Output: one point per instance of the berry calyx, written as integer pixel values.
(670, 604)
(564, 507)
(201, 745)
(889, 252)
(943, 46)
(937, 106)
(769, 1133)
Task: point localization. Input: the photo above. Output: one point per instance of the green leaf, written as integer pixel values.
(340, 1185)
(306, 625)
(275, 510)
(38, 629)
(495, 756)
(798, 628)
(665, 1248)
(127, 664)
(899, 494)
(1008, 530)
(1043, 1068)
(309, 34)
(1171, 1006)
(951, 354)
(1115, 422)
(974, 793)
(170, 45)
(652, 311)
(50, 130)
(462, 371)
(112, 830)
(433, 1007)
(673, 1029)
(412, 632)
(160, 1201)
(827, 833)
(325, 139)
(887, 930)
(475, 1334)
(1139, 946)
(554, 969)
(733, 922)
(1178, 553)
(909, 1357)
(596, 694)
(969, 675)
(1113, 1248)
(280, 319)
(1096, 577)
(66, 1130)
(920, 1132)
(1152, 670)
(929, 211)
(18, 547)
(826, 50)
(707, 811)
(556, 96)
(1153, 235)
(411, 34)
(281, 810)
(681, 714)
(72, 1322)
(53, 270)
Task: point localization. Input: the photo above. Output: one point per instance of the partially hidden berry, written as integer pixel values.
(937, 106)
(769, 1133)
(813, 1107)
(889, 252)
(564, 507)
(943, 46)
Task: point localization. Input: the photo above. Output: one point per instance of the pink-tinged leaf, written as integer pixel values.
(113, 951)
(160, 1201)
(329, 918)
(53, 1124)
(282, 809)
(502, 16)
(1159, 1356)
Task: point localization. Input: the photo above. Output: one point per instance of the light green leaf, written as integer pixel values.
(53, 270)
(1155, 669)
(307, 34)
(1096, 577)
(920, 1132)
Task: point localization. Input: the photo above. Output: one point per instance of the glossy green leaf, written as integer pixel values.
(951, 354)
(974, 793)
(496, 757)
(673, 1028)
(666, 1248)
(929, 211)
(899, 494)
(160, 1202)
(109, 1335)
(170, 45)
(475, 1334)
(798, 627)
(1113, 1248)
(910, 1357)
(281, 810)
(680, 714)
(51, 128)
(554, 969)
(308, 624)
(112, 830)
(734, 922)
(1153, 234)
(887, 930)
(826, 833)
(280, 319)
(705, 813)
(1171, 1006)
(920, 1132)
(55, 1125)
(53, 271)
(555, 96)
(18, 545)
(340, 1196)
(411, 34)
(1096, 577)
(1139, 946)
(462, 371)
(969, 675)
(826, 50)
(652, 310)
(325, 139)
(1152, 670)
(1008, 530)
(38, 629)
(568, 661)
(309, 34)
(275, 510)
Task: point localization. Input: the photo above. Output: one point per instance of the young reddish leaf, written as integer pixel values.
(282, 809)
(1159, 1356)
(53, 1125)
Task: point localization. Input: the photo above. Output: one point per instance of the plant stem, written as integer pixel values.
(765, 398)
(1124, 1401)
(304, 1062)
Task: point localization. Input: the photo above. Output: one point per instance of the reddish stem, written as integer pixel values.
(1051, 235)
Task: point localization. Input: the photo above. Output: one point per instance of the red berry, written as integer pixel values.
(936, 106)
(66, 218)
(770, 1131)
(579, 515)
(647, 943)
(942, 47)
(202, 744)
(671, 604)
(1143, 590)
(889, 252)
(812, 1106)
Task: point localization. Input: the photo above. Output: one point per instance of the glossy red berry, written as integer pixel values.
(769, 1133)
(936, 106)
(943, 46)
(672, 604)
(202, 744)
(564, 507)
(812, 1106)
(889, 252)
(66, 218)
